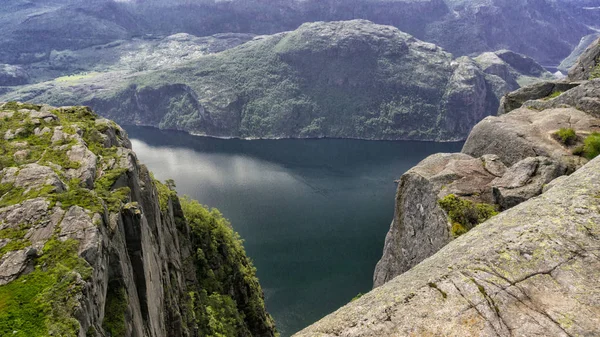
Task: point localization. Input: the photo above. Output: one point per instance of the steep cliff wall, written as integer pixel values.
(92, 245)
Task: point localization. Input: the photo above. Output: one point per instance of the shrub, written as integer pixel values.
(591, 146)
(566, 136)
(465, 214)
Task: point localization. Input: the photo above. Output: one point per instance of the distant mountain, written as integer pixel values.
(350, 79)
(546, 30)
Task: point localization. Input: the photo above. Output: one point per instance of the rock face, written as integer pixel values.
(515, 99)
(350, 79)
(587, 63)
(529, 271)
(92, 245)
(506, 160)
(528, 132)
(420, 226)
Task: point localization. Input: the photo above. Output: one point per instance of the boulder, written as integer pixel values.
(86, 172)
(34, 176)
(527, 132)
(525, 180)
(515, 99)
(584, 97)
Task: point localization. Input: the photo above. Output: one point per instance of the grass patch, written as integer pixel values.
(591, 146)
(42, 303)
(464, 214)
(566, 136)
(15, 106)
(76, 77)
(79, 196)
(554, 94)
(359, 295)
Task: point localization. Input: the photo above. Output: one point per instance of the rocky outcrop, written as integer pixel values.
(348, 79)
(515, 99)
(420, 226)
(529, 132)
(92, 245)
(531, 270)
(566, 64)
(506, 160)
(585, 97)
(586, 64)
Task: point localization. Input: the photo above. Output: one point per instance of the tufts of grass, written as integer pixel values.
(591, 146)
(464, 214)
(43, 302)
(566, 136)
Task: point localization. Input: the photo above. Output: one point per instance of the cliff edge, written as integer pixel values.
(92, 245)
(529, 271)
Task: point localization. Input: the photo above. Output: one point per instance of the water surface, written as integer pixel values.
(313, 213)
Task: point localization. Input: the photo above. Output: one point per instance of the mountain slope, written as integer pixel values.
(352, 79)
(546, 30)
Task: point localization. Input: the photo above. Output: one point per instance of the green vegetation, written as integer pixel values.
(595, 73)
(434, 286)
(359, 295)
(114, 310)
(591, 147)
(42, 303)
(166, 192)
(554, 94)
(566, 136)
(43, 151)
(222, 266)
(465, 214)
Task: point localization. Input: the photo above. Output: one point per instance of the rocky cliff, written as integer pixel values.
(351, 79)
(530, 271)
(498, 239)
(507, 159)
(92, 245)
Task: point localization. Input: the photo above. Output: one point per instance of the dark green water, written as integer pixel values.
(313, 213)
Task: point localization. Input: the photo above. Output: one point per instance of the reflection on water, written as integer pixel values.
(313, 213)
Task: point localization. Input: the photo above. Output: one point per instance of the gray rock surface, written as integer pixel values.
(515, 99)
(420, 227)
(525, 180)
(528, 132)
(530, 271)
(586, 63)
(584, 97)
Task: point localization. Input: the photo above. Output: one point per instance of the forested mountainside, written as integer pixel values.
(351, 79)
(92, 245)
